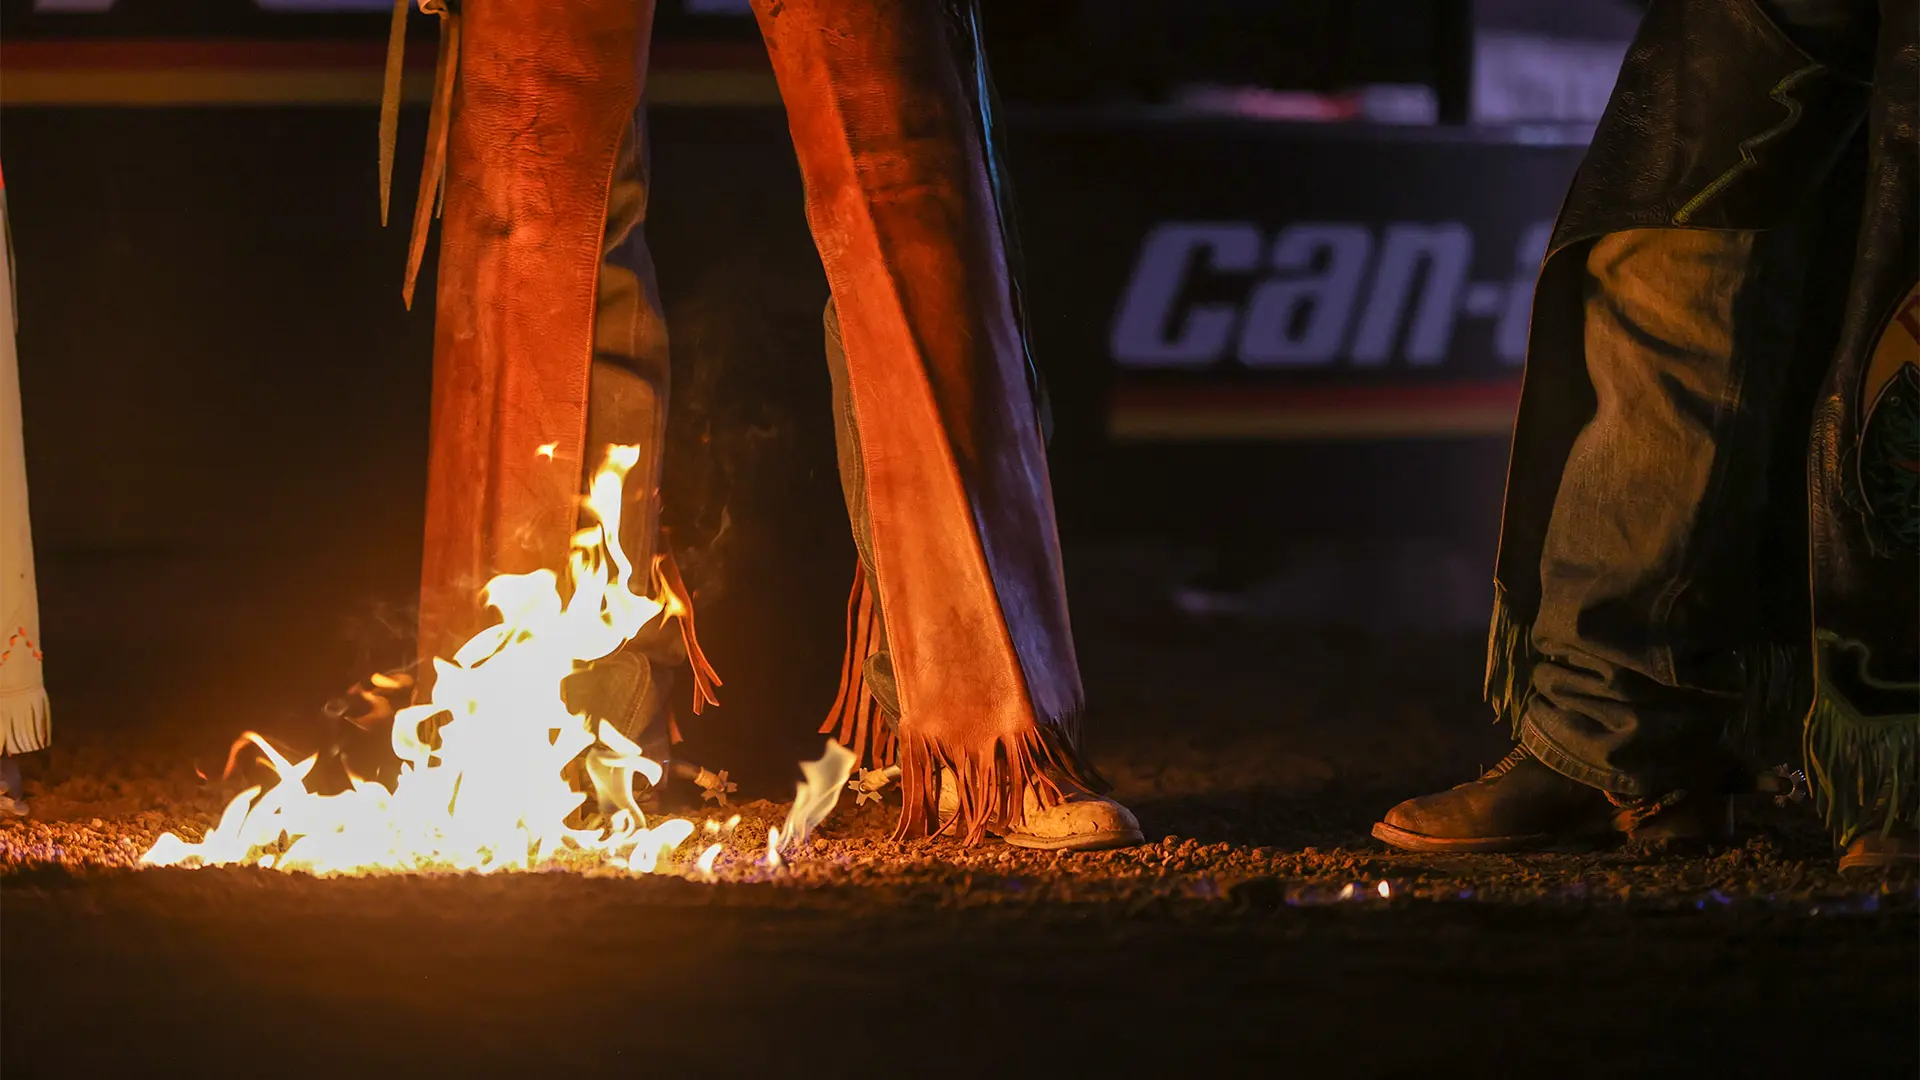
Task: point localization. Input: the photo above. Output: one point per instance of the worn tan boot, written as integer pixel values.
(1082, 821)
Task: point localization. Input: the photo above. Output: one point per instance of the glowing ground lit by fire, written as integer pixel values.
(482, 784)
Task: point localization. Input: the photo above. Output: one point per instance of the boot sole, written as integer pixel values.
(1393, 836)
(1100, 841)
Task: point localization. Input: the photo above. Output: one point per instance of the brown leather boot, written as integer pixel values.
(1518, 805)
(1522, 805)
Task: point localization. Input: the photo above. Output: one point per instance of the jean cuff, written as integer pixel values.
(1554, 757)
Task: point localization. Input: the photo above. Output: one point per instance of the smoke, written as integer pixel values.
(749, 389)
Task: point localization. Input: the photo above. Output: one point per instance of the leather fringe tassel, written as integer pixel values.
(1510, 662)
(390, 101)
(672, 588)
(856, 721)
(433, 168)
(992, 780)
(25, 721)
(1864, 770)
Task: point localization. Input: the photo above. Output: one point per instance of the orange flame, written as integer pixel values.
(491, 794)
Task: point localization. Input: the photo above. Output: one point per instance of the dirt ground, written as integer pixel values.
(1249, 935)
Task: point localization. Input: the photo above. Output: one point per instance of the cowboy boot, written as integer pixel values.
(1522, 805)
(1080, 821)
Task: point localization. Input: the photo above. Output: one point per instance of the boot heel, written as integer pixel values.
(1681, 819)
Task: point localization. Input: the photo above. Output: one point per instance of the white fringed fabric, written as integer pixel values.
(24, 717)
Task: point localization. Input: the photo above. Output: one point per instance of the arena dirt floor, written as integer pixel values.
(1250, 935)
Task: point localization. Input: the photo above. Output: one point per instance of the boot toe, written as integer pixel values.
(1451, 815)
(1409, 815)
(1519, 805)
(1082, 823)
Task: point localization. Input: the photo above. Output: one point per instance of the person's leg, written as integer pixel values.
(628, 384)
(1083, 819)
(24, 715)
(1647, 574)
(853, 484)
(627, 392)
(955, 504)
(1647, 590)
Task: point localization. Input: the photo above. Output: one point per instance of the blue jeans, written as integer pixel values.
(853, 484)
(1647, 574)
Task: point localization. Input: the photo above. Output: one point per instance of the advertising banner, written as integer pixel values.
(1237, 279)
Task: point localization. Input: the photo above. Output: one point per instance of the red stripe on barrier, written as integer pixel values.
(1505, 392)
(1173, 412)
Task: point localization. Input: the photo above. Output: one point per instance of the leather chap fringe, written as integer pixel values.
(856, 720)
(433, 170)
(1864, 769)
(992, 781)
(1510, 663)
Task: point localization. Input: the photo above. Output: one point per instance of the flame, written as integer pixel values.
(490, 795)
(816, 795)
